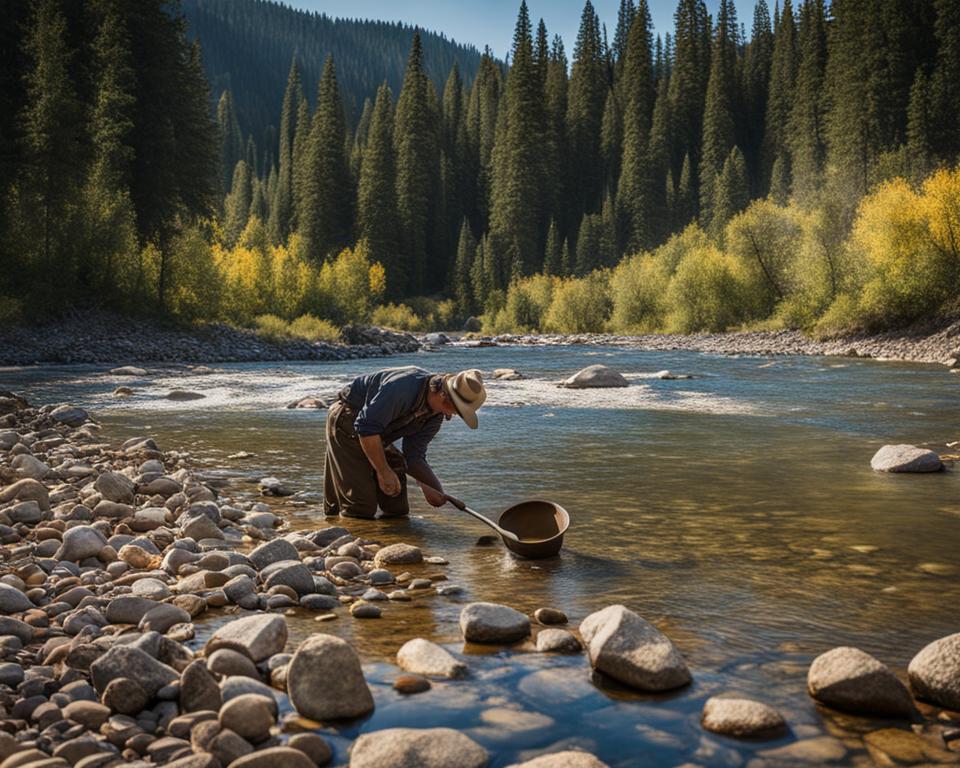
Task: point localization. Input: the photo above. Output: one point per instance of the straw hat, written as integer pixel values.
(467, 392)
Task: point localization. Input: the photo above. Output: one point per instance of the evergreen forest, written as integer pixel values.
(796, 169)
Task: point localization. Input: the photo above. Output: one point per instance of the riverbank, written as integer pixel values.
(934, 343)
(125, 568)
(103, 337)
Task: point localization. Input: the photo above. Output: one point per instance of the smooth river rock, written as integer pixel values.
(743, 718)
(115, 487)
(127, 661)
(905, 458)
(632, 651)
(398, 554)
(325, 681)
(935, 672)
(853, 681)
(417, 748)
(422, 657)
(80, 542)
(12, 600)
(493, 623)
(258, 636)
(595, 377)
(571, 758)
(557, 641)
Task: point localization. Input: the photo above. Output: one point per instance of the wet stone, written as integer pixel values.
(742, 718)
(411, 684)
(365, 611)
(549, 616)
(557, 641)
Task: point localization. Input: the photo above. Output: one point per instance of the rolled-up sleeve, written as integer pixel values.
(387, 404)
(415, 446)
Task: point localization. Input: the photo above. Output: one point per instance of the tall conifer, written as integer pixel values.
(232, 148)
(783, 75)
(805, 127)
(281, 208)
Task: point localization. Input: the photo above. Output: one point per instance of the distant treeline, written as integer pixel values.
(247, 45)
(826, 119)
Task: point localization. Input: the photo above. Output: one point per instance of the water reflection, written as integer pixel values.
(736, 510)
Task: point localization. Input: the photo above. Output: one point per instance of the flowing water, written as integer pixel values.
(737, 510)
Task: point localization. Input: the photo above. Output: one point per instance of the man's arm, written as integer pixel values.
(372, 446)
(415, 452)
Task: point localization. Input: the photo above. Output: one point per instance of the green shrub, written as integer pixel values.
(313, 328)
(638, 288)
(271, 327)
(399, 317)
(580, 305)
(843, 316)
(705, 294)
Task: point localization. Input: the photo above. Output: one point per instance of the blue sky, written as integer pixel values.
(490, 22)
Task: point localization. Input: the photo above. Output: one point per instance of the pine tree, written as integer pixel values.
(479, 275)
(377, 195)
(609, 240)
(417, 158)
(756, 86)
(688, 82)
(237, 203)
(515, 215)
(659, 149)
(300, 166)
(611, 140)
(454, 150)
(586, 96)
(250, 155)
(625, 16)
(589, 254)
(462, 287)
(566, 258)
(945, 82)
(232, 149)
(324, 215)
(635, 200)
(109, 215)
(805, 127)
(732, 192)
(360, 136)
(551, 263)
(51, 137)
(719, 129)
(555, 145)
(783, 75)
(686, 198)
(282, 206)
(481, 129)
(920, 129)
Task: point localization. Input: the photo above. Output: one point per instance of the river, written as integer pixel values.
(736, 510)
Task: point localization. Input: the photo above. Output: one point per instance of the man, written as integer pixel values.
(362, 468)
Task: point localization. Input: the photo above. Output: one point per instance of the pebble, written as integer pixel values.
(365, 611)
(411, 684)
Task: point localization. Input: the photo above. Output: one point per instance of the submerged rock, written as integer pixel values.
(905, 458)
(398, 554)
(571, 758)
(557, 641)
(182, 395)
(742, 718)
(853, 681)
(325, 681)
(258, 636)
(493, 623)
(632, 651)
(596, 376)
(420, 747)
(422, 657)
(935, 672)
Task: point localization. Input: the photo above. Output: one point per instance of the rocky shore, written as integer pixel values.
(921, 344)
(111, 555)
(106, 338)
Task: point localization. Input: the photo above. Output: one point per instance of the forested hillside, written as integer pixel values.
(248, 44)
(802, 176)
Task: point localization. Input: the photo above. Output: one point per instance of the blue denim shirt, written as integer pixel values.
(393, 403)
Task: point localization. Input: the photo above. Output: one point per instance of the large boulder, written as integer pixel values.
(69, 415)
(935, 672)
(80, 542)
(905, 458)
(258, 636)
(12, 600)
(493, 623)
(398, 554)
(325, 681)
(129, 661)
(743, 718)
(596, 376)
(425, 658)
(853, 681)
(273, 552)
(417, 748)
(571, 758)
(632, 651)
(113, 486)
(274, 757)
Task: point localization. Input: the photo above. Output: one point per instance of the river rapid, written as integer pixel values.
(736, 510)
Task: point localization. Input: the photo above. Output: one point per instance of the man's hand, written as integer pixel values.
(388, 481)
(434, 498)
